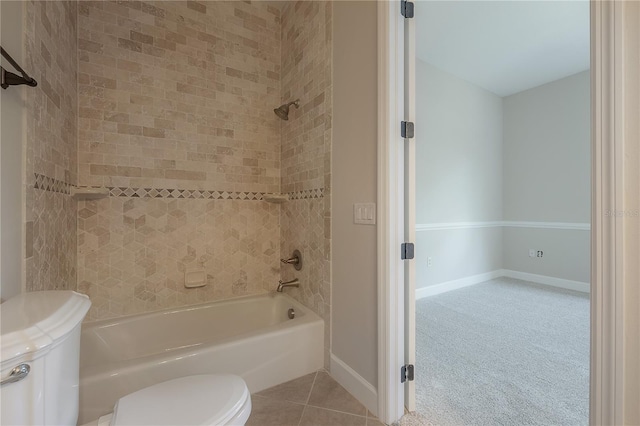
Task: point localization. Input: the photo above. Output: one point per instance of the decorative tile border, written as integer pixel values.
(183, 193)
(206, 194)
(47, 183)
(306, 194)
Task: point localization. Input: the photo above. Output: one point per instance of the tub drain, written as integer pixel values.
(291, 313)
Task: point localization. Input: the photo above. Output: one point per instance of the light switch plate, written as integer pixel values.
(364, 213)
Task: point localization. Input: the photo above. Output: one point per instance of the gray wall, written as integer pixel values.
(547, 152)
(482, 158)
(354, 170)
(12, 106)
(458, 176)
(566, 252)
(459, 154)
(456, 254)
(547, 164)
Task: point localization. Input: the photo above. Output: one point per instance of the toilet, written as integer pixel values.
(40, 364)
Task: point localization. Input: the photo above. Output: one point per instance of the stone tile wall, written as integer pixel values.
(51, 145)
(176, 119)
(306, 75)
(176, 107)
(179, 95)
(134, 252)
(306, 152)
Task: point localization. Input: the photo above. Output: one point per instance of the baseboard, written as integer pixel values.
(480, 278)
(547, 280)
(576, 226)
(357, 386)
(456, 284)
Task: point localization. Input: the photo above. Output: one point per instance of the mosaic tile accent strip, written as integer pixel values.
(307, 194)
(183, 193)
(50, 184)
(46, 183)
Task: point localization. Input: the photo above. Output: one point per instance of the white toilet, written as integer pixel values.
(39, 369)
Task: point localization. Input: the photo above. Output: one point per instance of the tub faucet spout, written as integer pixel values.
(293, 283)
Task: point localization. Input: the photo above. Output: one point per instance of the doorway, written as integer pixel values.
(606, 286)
(502, 212)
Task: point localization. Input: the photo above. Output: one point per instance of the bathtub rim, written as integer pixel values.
(91, 368)
(126, 318)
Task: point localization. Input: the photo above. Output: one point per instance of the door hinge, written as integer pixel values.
(406, 8)
(407, 129)
(406, 251)
(406, 373)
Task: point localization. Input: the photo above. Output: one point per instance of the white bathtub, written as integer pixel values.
(250, 336)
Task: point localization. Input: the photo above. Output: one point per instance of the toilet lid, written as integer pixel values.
(208, 399)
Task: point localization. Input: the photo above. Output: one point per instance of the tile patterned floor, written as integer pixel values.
(312, 400)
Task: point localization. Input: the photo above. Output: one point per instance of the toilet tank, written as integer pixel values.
(40, 332)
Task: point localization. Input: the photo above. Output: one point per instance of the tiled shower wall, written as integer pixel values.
(51, 145)
(306, 152)
(176, 118)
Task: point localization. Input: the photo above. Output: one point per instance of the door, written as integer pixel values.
(410, 207)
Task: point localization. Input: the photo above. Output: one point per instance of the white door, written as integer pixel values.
(410, 208)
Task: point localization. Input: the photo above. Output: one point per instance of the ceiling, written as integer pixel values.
(504, 46)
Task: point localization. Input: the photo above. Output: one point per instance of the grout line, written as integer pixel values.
(302, 415)
(329, 409)
(371, 416)
(311, 390)
(306, 403)
(270, 398)
(338, 411)
(308, 398)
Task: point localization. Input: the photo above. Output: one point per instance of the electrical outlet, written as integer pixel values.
(429, 261)
(539, 253)
(532, 253)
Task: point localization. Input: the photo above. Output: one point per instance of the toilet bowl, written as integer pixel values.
(207, 399)
(39, 369)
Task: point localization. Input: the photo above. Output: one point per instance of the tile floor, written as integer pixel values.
(312, 400)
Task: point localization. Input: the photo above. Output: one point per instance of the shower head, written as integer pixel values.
(283, 110)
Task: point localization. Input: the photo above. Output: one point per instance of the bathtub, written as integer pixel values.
(252, 337)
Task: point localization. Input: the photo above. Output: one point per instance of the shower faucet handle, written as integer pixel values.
(295, 260)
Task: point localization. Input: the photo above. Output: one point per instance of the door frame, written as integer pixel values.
(607, 285)
(390, 212)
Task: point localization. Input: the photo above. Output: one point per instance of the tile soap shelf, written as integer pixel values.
(275, 198)
(89, 193)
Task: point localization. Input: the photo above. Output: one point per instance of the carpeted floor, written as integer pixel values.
(504, 352)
